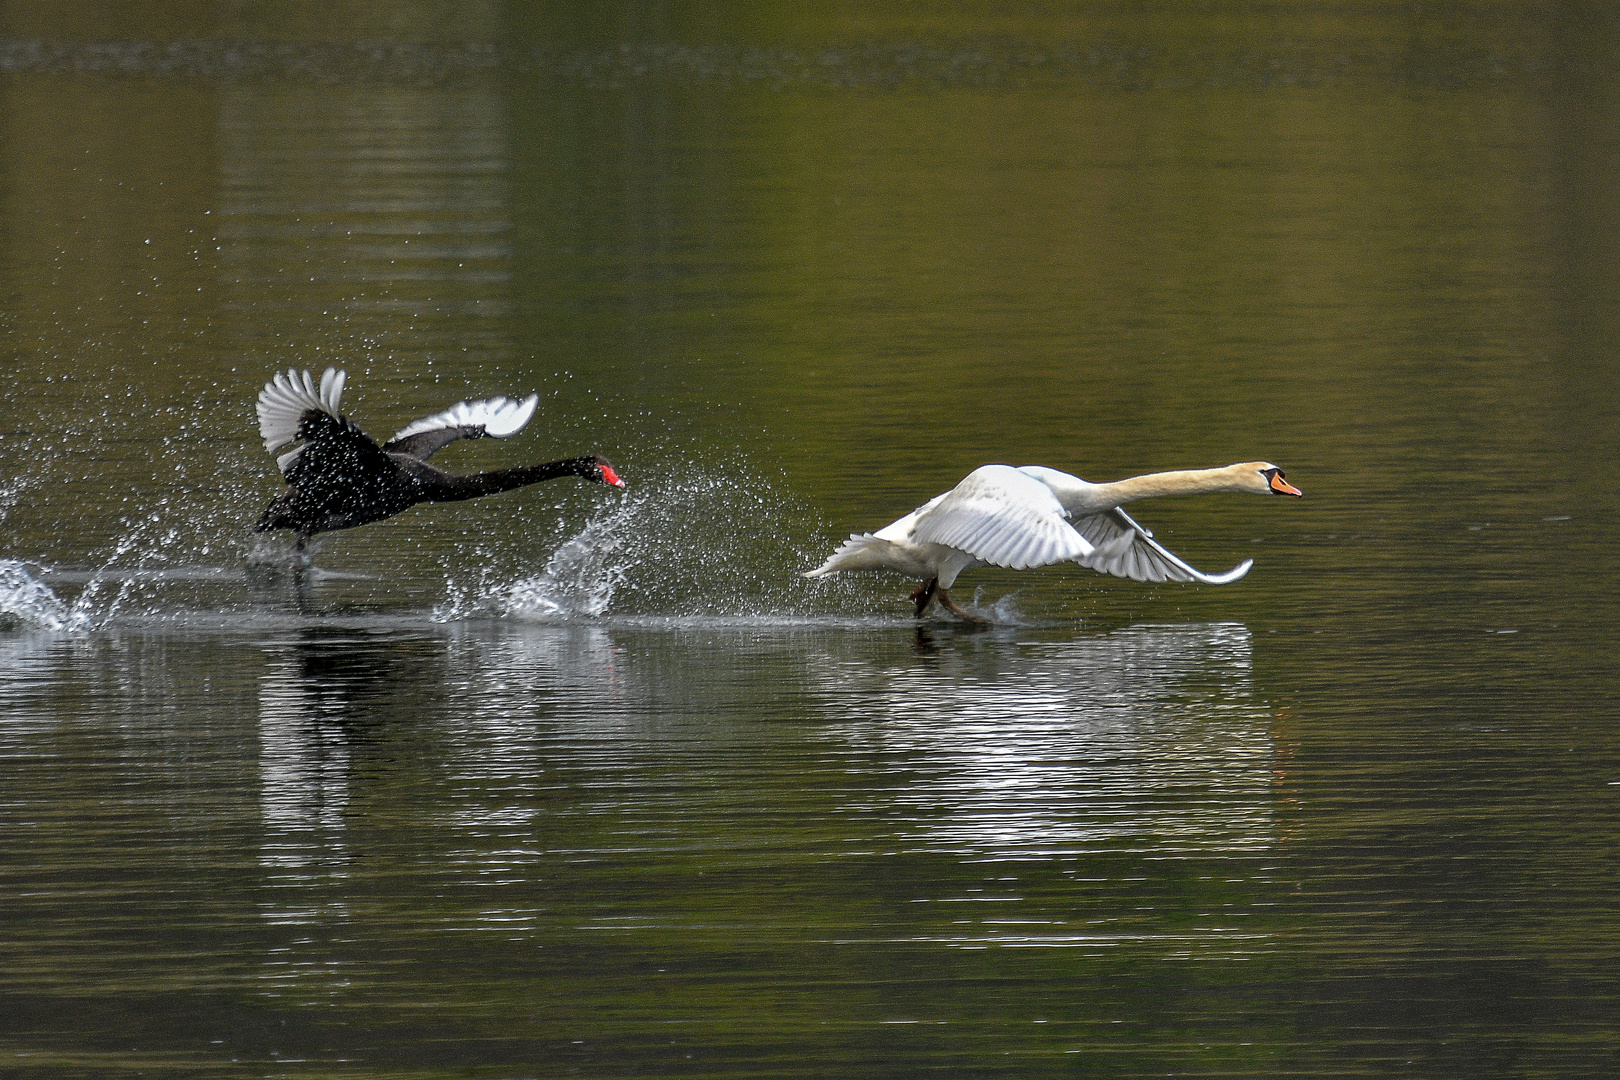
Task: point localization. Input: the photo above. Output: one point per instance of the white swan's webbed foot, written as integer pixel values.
(923, 595)
(949, 605)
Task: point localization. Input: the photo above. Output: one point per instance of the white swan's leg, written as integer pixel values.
(949, 605)
(923, 595)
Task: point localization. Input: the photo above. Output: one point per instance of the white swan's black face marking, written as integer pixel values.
(1278, 483)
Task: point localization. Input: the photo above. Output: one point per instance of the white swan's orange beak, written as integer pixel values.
(1279, 486)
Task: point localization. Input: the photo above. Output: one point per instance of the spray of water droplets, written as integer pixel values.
(715, 542)
(27, 603)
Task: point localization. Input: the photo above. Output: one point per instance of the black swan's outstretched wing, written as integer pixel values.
(286, 401)
(332, 451)
(496, 417)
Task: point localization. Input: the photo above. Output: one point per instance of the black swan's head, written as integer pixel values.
(602, 471)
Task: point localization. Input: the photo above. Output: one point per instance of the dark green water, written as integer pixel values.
(568, 782)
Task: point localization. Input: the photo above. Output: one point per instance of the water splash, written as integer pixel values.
(717, 542)
(26, 603)
(277, 551)
(10, 493)
(1003, 612)
(89, 611)
(581, 577)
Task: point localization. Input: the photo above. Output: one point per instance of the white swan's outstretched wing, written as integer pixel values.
(284, 401)
(1003, 517)
(1125, 549)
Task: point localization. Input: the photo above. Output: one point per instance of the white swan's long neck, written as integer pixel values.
(1079, 497)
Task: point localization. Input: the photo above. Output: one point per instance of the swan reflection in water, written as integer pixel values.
(564, 754)
(303, 786)
(1146, 739)
(315, 694)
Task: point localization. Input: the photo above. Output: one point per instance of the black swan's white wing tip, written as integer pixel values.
(508, 416)
(499, 416)
(287, 397)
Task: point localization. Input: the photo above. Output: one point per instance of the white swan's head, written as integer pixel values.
(1264, 478)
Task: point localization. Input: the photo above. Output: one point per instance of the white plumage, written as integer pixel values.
(499, 416)
(286, 398)
(1032, 516)
(1126, 549)
(1001, 515)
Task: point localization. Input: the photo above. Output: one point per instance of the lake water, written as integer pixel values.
(577, 782)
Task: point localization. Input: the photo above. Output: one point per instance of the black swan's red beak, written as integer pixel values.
(608, 476)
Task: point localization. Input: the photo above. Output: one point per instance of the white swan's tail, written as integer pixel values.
(862, 551)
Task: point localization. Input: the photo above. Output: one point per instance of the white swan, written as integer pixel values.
(1035, 516)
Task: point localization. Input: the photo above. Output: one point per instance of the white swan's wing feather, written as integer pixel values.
(499, 416)
(1001, 516)
(287, 397)
(1125, 549)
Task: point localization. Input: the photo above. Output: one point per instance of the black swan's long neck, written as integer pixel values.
(449, 487)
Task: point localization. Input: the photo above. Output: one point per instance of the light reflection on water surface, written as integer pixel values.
(573, 804)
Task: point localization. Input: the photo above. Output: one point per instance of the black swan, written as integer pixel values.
(1035, 516)
(341, 478)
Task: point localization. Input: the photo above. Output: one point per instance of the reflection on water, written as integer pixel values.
(393, 203)
(318, 692)
(509, 765)
(304, 782)
(1096, 58)
(1144, 739)
(30, 674)
(453, 833)
(585, 746)
(303, 799)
